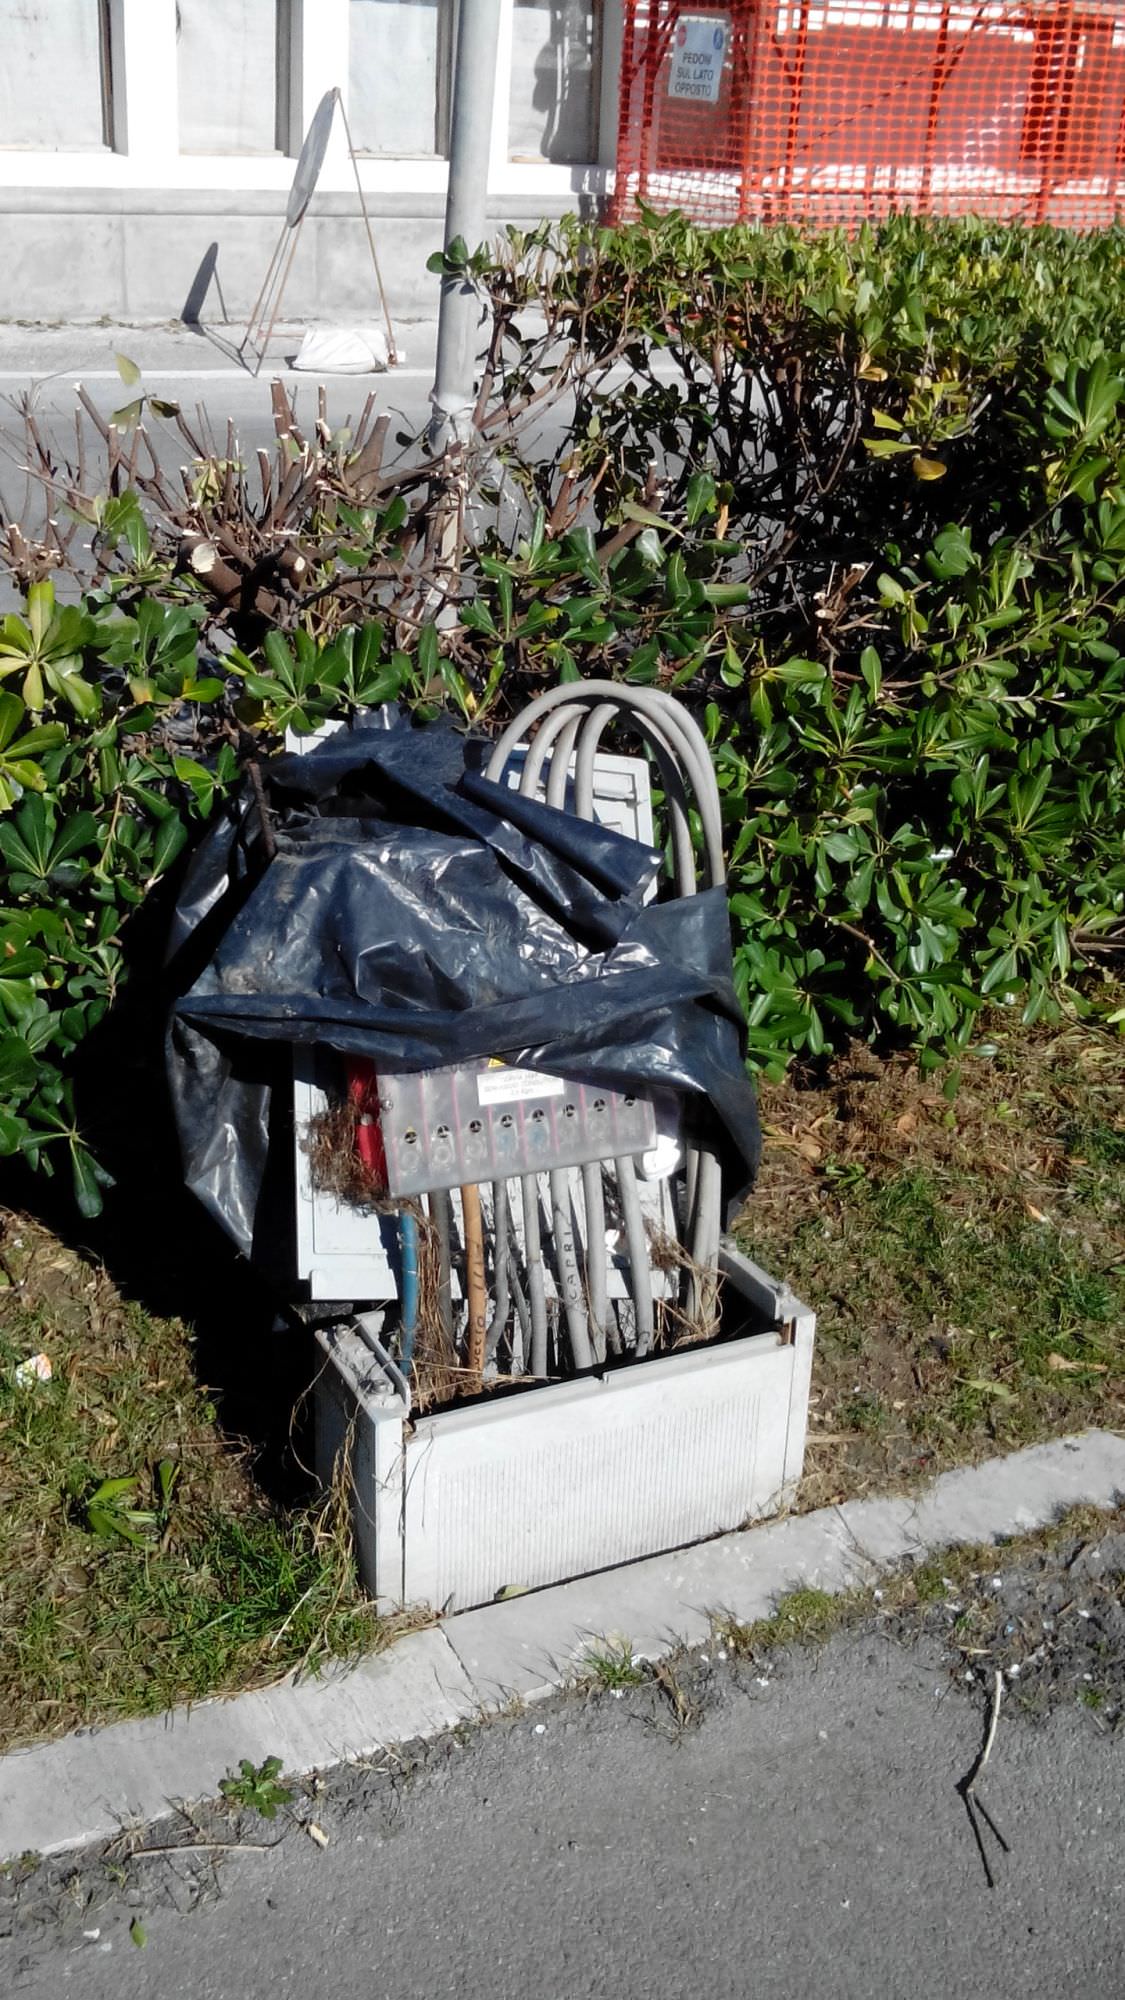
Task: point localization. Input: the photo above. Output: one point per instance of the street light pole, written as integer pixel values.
(470, 141)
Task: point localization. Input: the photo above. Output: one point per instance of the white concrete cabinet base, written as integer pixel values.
(546, 1484)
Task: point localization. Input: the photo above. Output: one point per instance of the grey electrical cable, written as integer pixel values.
(571, 720)
(704, 1235)
(537, 752)
(659, 709)
(597, 1286)
(669, 734)
(671, 779)
(501, 1236)
(520, 1352)
(566, 1266)
(561, 754)
(637, 1244)
(561, 739)
(370, 1338)
(533, 1258)
(533, 1241)
(702, 1246)
(591, 1322)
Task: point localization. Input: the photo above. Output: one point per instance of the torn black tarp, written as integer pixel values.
(416, 914)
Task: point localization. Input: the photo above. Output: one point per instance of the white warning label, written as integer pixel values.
(515, 1086)
(699, 47)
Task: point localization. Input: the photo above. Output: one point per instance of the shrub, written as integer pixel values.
(880, 546)
(861, 502)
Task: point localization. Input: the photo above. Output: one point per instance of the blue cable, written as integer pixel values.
(408, 1246)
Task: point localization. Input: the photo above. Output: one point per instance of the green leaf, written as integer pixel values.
(428, 655)
(171, 835)
(40, 609)
(700, 498)
(12, 712)
(128, 370)
(871, 667)
(630, 511)
(89, 1179)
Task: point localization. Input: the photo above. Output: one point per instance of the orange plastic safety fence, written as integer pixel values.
(841, 113)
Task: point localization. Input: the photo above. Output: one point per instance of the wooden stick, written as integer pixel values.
(474, 1279)
(210, 1847)
(990, 1737)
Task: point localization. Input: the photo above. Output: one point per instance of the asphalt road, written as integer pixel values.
(802, 1837)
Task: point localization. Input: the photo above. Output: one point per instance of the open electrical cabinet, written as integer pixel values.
(478, 973)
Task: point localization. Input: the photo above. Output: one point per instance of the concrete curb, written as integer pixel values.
(85, 1787)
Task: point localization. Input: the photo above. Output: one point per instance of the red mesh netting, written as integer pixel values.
(835, 114)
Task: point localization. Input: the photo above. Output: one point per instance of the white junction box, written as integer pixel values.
(532, 1487)
(345, 1252)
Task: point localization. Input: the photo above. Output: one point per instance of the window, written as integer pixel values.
(553, 105)
(233, 75)
(54, 74)
(400, 60)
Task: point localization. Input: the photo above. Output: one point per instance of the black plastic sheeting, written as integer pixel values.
(417, 914)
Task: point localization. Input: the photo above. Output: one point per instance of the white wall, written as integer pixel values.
(125, 229)
(227, 76)
(197, 101)
(51, 83)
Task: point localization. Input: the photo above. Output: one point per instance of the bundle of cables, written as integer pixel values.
(562, 731)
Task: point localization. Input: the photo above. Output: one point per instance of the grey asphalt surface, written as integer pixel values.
(805, 1837)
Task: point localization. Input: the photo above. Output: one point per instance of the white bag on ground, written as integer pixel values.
(342, 350)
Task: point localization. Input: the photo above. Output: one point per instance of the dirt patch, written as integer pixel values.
(1050, 1623)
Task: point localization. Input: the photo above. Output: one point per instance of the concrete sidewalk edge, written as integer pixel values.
(87, 1786)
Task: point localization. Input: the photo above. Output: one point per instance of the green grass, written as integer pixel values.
(218, 1591)
(804, 1617)
(611, 1664)
(952, 1596)
(964, 1248)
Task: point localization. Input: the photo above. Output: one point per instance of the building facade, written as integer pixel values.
(143, 142)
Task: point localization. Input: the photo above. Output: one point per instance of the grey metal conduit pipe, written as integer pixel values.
(698, 1225)
(671, 779)
(501, 1239)
(522, 1353)
(557, 737)
(566, 1252)
(675, 740)
(368, 1325)
(533, 1257)
(597, 1254)
(685, 736)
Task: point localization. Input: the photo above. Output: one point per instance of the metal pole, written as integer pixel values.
(470, 141)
